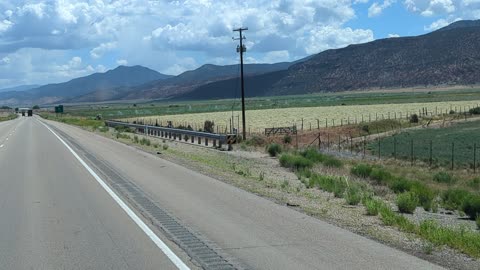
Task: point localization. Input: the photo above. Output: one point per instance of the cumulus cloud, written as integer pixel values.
(170, 36)
(429, 8)
(327, 37)
(393, 35)
(440, 23)
(376, 8)
(98, 52)
(122, 62)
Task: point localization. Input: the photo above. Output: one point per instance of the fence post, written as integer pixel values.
(302, 124)
(453, 151)
(338, 143)
(318, 124)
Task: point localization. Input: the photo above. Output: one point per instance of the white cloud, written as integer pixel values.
(5, 25)
(328, 37)
(170, 36)
(181, 66)
(430, 8)
(393, 35)
(376, 8)
(99, 51)
(122, 62)
(440, 23)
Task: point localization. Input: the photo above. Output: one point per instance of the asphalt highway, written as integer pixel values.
(70, 199)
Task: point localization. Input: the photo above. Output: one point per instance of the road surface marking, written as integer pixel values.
(160, 244)
(1, 146)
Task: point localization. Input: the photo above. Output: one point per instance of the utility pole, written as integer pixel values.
(241, 49)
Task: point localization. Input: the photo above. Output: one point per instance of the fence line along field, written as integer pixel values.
(457, 144)
(312, 117)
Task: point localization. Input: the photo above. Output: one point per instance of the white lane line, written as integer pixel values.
(160, 244)
(1, 146)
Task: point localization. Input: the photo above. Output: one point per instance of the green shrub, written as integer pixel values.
(380, 175)
(471, 206)
(474, 183)
(407, 202)
(391, 218)
(353, 195)
(372, 206)
(295, 162)
(400, 185)
(274, 149)
(453, 199)
(424, 194)
(361, 170)
(313, 155)
(287, 139)
(208, 126)
(135, 139)
(475, 110)
(339, 187)
(462, 239)
(443, 177)
(145, 141)
(255, 140)
(165, 147)
(305, 173)
(332, 162)
(333, 184)
(414, 118)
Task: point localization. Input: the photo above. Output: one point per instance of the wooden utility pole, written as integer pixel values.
(241, 49)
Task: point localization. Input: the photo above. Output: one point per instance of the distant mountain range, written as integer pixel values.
(448, 56)
(19, 88)
(121, 76)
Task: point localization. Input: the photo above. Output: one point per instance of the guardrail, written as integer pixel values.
(218, 140)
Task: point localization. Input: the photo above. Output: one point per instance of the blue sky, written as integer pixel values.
(57, 40)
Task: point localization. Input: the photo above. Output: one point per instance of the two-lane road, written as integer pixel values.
(55, 215)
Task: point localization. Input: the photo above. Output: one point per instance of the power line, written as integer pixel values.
(241, 49)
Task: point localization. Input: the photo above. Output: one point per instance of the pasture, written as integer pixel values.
(311, 117)
(456, 143)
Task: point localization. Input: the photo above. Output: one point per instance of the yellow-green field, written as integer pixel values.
(257, 120)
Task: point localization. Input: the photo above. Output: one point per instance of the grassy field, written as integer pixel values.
(462, 135)
(7, 116)
(312, 117)
(167, 107)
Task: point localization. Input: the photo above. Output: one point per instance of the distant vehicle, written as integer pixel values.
(23, 113)
(30, 112)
